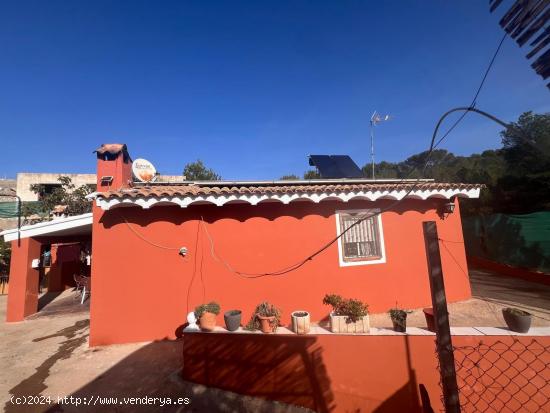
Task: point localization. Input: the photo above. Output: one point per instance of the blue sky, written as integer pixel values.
(251, 88)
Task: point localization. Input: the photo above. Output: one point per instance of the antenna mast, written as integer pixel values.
(374, 120)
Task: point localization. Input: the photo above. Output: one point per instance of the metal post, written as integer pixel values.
(443, 331)
(18, 220)
(372, 146)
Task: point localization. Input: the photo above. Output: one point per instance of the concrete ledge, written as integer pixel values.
(378, 331)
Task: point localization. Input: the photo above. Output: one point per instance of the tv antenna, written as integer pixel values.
(375, 119)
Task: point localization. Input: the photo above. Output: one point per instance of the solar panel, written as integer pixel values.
(335, 166)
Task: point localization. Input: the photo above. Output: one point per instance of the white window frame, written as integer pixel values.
(344, 263)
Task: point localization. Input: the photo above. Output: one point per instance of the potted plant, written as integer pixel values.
(399, 319)
(517, 320)
(266, 317)
(348, 315)
(300, 322)
(206, 314)
(232, 319)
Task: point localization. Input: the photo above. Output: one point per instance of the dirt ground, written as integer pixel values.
(48, 355)
(491, 293)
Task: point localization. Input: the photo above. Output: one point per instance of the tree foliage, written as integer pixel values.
(517, 176)
(5, 255)
(67, 195)
(290, 177)
(312, 174)
(197, 171)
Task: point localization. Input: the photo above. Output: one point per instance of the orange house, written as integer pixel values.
(160, 250)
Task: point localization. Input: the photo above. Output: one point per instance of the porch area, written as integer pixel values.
(50, 267)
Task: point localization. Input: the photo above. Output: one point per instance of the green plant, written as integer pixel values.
(516, 311)
(70, 196)
(5, 256)
(398, 315)
(352, 308)
(212, 307)
(264, 309)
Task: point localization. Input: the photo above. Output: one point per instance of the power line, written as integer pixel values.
(300, 263)
(433, 145)
(478, 91)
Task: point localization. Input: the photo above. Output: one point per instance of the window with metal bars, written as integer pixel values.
(361, 239)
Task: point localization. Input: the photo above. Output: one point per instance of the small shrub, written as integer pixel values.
(300, 314)
(351, 308)
(212, 307)
(264, 309)
(516, 311)
(398, 315)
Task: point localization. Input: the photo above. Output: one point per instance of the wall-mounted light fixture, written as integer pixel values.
(447, 208)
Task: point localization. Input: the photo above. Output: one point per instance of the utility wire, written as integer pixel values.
(391, 206)
(474, 100)
(145, 239)
(433, 145)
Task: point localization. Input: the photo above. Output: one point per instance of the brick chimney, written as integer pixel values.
(114, 167)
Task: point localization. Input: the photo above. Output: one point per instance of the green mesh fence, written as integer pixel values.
(516, 240)
(9, 209)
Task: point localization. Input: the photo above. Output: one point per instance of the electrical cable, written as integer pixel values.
(433, 146)
(478, 91)
(299, 264)
(145, 239)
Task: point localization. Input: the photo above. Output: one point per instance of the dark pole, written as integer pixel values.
(443, 331)
(18, 220)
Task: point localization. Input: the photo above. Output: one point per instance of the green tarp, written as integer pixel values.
(9, 209)
(516, 240)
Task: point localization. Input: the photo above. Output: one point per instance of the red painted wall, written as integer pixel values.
(382, 374)
(143, 292)
(23, 292)
(65, 263)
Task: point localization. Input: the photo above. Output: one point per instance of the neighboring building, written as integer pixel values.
(158, 250)
(8, 204)
(49, 181)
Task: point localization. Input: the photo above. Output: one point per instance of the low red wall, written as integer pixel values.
(143, 289)
(331, 373)
(499, 268)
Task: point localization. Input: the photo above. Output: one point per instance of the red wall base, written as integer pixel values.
(333, 373)
(523, 273)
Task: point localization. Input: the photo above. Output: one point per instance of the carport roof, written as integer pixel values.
(73, 225)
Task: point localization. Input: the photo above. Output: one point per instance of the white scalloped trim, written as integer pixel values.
(220, 200)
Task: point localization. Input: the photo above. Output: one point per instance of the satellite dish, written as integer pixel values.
(143, 170)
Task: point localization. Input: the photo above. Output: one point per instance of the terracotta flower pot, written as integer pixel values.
(207, 321)
(266, 323)
(300, 322)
